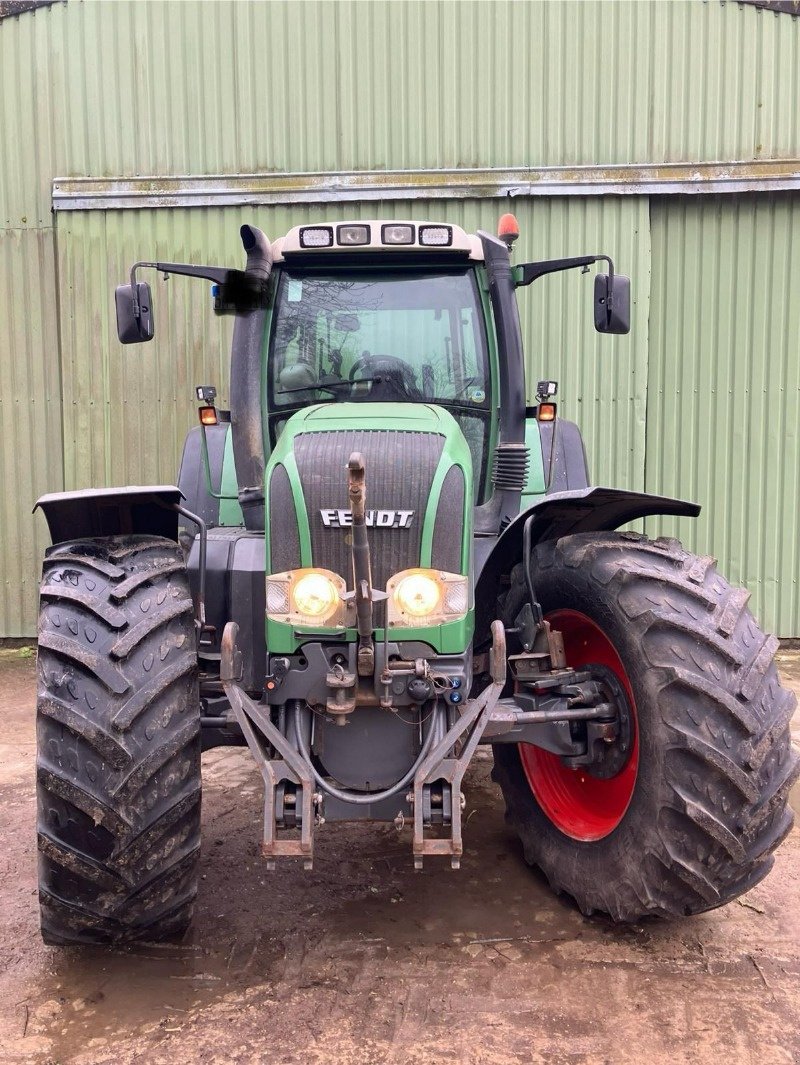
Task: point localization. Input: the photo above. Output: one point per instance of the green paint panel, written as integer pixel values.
(230, 513)
(535, 482)
(450, 639)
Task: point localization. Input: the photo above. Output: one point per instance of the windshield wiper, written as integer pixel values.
(328, 386)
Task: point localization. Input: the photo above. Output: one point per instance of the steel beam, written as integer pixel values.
(645, 179)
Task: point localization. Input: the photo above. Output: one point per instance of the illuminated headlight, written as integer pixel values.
(352, 236)
(441, 236)
(420, 597)
(306, 597)
(316, 237)
(392, 234)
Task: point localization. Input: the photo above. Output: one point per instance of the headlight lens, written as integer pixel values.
(418, 594)
(306, 597)
(315, 595)
(420, 597)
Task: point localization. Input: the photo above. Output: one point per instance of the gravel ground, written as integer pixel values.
(364, 961)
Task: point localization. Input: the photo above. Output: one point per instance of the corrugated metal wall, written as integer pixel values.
(127, 89)
(723, 407)
(123, 88)
(31, 453)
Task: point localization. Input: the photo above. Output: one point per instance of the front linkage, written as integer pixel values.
(548, 702)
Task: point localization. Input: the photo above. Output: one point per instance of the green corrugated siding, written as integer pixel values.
(126, 89)
(724, 387)
(30, 417)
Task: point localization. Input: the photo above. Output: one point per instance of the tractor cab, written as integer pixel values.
(368, 313)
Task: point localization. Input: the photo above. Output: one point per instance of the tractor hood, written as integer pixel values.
(418, 489)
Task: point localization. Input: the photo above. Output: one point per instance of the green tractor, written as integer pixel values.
(377, 560)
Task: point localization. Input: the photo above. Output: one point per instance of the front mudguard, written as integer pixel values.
(112, 512)
(554, 516)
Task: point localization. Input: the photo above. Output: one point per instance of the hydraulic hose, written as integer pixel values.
(361, 798)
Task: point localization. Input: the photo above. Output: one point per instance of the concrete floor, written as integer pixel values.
(364, 962)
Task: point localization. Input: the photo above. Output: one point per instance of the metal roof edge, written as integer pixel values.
(253, 190)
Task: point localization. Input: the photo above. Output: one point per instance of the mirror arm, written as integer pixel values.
(529, 272)
(217, 274)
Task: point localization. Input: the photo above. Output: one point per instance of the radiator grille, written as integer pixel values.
(400, 468)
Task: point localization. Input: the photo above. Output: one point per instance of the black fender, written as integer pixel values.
(566, 467)
(192, 479)
(112, 511)
(556, 515)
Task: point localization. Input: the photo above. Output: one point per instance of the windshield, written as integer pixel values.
(382, 336)
(413, 337)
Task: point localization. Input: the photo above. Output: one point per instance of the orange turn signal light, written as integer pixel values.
(208, 415)
(546, 412)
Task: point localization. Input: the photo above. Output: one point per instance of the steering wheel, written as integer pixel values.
(401, 374)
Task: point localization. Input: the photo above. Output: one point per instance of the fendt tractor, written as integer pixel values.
(376, 560)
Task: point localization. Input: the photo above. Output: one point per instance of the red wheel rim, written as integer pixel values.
(580, 805)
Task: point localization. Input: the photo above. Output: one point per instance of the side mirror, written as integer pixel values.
(134, 313)
(612, 303)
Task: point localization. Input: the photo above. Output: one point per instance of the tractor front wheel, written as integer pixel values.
(698, 798)
(118, 736)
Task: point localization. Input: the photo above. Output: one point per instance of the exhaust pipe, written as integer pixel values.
(258, 250)
(511, 455)
(362, 572)
(246, 421)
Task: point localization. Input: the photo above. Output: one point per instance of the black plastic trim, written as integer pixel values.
(111, 511)
(192, 474)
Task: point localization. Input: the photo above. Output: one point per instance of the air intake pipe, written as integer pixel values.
(246, 387)
(511, 456)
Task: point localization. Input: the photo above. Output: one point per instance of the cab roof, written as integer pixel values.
(376, 235)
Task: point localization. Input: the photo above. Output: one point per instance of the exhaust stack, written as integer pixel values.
(246, 419)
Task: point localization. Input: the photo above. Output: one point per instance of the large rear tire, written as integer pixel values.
(694, 815)
(118, 742)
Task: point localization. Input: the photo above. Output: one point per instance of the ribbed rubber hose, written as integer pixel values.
(360, 798)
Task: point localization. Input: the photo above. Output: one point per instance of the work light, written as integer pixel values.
(437, 235)
(397, 234)
(352, 236)
(316, 237)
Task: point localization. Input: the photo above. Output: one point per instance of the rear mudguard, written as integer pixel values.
(554, 516)
(112, 511)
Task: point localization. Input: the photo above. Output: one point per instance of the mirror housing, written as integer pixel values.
(612, 303)
(134, 313)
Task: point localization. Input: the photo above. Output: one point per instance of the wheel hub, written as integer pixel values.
(609, 741)
(587, 797)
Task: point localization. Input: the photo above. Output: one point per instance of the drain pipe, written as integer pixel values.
(247, 430)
